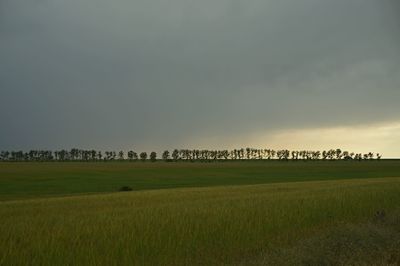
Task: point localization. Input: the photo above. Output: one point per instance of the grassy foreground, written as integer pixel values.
(29, 180)
(310, 223)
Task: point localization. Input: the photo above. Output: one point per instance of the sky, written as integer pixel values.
(154, 75)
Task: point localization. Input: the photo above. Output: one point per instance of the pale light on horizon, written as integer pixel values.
(383, 138)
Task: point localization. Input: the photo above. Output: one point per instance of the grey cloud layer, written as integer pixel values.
(143, 73)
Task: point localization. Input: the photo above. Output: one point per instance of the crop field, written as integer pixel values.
(237, 213)
(30, 180)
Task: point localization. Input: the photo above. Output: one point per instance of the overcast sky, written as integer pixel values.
(161, 74)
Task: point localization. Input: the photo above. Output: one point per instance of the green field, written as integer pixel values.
(238, 213)
(27, 180)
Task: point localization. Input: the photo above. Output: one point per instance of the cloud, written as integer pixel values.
(151, 74)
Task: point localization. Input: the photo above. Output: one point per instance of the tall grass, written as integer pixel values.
(191, 226)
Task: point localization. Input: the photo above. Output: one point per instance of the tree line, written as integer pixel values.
(185, 155)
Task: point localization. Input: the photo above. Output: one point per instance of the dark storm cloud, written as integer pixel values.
(96, 73)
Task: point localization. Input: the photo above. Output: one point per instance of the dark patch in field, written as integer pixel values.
(376, 242)
(125, 188)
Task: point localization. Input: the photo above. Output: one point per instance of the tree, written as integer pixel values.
(273, 154)
(347, 156)
(186, 154)
(248, 153)
(175, 155)
(316, 155)
(93, 155)
(339, 154)
(130, 155)
(4, 155)
(165, 156)
(153, 156)
(74, 154)
(331, 154)
(283, 154)
(143, 156)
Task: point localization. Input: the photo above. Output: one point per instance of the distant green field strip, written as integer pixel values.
(229, 225)
(26, 180)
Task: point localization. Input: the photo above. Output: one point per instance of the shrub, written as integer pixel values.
(125, 188)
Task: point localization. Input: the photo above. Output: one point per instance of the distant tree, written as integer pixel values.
(5, 155)
(196, 154)
(248, 153)
(130, 155)
(143, 156)
(331, 154)
(93, 155)
(186, 154)
(225, 154)
(347, 156)
(273, 154)
(339, 154)
(75, 154)
(316, 155)
(165, 155)
(175, 155)
(62, 155)
(283, 154)
(286, 155)
(153, 156)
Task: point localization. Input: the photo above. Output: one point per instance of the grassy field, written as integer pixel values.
(273, 224)
(27, 180)
(247, 213)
